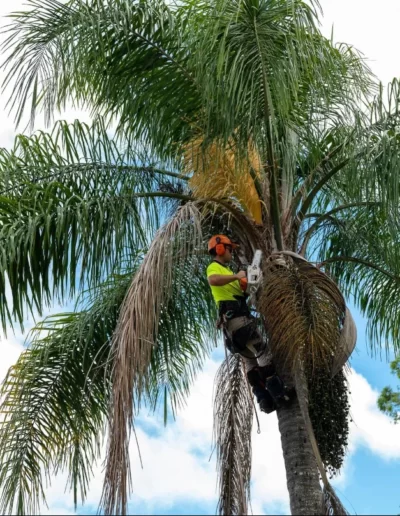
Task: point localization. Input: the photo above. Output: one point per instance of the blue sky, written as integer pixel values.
(372, 483)
(178, 477)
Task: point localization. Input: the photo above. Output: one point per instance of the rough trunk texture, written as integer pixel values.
(301, 468)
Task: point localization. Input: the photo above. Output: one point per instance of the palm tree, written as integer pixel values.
(231, 116)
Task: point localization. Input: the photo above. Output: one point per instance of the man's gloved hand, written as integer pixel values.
(243, 284)
(242, 277)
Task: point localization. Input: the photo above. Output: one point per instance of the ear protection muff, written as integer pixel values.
(219, 248)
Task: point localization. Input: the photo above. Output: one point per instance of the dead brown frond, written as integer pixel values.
(134, 337)
(304, 312)
(233, 417)
(219, 172)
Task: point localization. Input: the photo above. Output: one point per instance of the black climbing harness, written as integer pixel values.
(236, 342)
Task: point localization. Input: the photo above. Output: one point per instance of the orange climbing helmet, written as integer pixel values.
(218, 242)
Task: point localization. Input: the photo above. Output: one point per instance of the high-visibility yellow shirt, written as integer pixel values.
(226, 292)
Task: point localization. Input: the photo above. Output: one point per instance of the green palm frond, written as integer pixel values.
(355, 165)
(267, 60)
(155, 66)
(362, 255)
(73, 205)
(73, 153)
(124, 59)
(56, 400)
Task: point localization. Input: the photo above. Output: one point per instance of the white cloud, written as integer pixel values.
(371, 428)
(10, 351)
(372, 30)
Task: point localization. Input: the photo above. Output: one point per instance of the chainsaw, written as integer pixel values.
(254, 275)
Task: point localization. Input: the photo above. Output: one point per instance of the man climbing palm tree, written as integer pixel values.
(251, 117)
(240, 329)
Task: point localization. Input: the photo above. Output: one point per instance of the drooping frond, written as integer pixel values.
(218, 172)
(71, 206)
(136, 336)
(185, 335)
(233, 418)
(68, 149)
(121, 59)
(56, 400)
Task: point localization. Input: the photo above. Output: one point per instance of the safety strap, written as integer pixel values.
(222, 324)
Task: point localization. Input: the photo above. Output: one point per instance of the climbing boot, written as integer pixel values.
(274, 384)
(266, 403)
(263, 397)
(255, 378)
(275, 387)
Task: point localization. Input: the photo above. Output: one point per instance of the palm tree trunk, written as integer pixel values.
(301, 467)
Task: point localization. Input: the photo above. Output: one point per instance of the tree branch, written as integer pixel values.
(314, 192)
(172, 195)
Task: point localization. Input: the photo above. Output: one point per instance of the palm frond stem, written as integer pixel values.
(302, 191)
(164, 53)
(359, 261)
(276, 221)
(341, 208)
(317, 188)
(170, 195)
(314, 192)
(73, 169)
